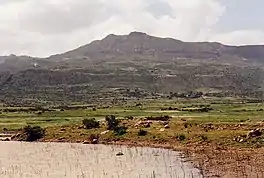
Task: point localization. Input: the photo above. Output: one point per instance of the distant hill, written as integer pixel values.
(140, 44)
(137, 60)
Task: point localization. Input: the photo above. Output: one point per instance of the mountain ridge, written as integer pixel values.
(139, 42)
(113, 66)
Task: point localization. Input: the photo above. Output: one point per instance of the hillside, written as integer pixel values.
(117, 64)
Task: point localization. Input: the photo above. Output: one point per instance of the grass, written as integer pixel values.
(226, 114)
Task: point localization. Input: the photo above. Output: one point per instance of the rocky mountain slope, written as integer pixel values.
(134, 61)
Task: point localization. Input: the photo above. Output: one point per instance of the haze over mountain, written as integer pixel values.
(137, 60)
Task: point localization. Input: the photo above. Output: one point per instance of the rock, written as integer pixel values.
(165, 123)
(81, 127)
(138, 123)
(6, 139)
(239, 139)
(95, 141)
(104, 132)
(15, 136)
(86, 142)
(145, 124)
(119, 154)
(62, 130)
(166, 126)
(62, 138)
(162, 130)
(254, 133)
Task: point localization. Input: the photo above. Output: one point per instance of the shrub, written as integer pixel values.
(112, 122)
(142, 132)
(204, 137)
(181, 137)
(185, 125)
(32, 133)
(159, 118)
(91, 123)
(120, 130)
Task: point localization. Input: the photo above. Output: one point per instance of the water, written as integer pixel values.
(63, 160)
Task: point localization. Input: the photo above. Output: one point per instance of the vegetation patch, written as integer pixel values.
(112, 122)
(120, 130)
(142, 132)
(30, 134)
(181, 137)
(159, 118)
(91, 123)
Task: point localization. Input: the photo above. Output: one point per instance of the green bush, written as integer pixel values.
(142, 132)
(91, 123)
(120, 130)
(31, 134)
(181, 137)
(112, 122)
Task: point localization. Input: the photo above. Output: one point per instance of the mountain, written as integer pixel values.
(142, 45)
(120, 64)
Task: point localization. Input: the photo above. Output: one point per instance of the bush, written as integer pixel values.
(204, 137)
(112, 122)
(185, 125)
(90, 123)
(159, 118)
(31, 134)
(181, 137)
(142, 132)
(120, 130)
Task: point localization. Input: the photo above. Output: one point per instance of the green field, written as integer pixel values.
(229, 117)
(225, 110)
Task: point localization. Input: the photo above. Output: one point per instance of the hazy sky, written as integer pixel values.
(45, 27)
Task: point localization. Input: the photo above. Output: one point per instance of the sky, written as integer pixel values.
(45, 27)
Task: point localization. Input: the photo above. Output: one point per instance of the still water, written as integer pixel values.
(63, 160)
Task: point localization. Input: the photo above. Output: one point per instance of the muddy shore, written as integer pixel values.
(213, 161)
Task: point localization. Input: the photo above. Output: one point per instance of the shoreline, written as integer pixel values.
(211, 160)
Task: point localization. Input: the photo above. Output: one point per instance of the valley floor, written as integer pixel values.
(223, 137)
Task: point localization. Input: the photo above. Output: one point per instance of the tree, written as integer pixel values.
(31, 134)
(112, 122)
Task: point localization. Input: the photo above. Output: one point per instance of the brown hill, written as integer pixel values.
(128, 62)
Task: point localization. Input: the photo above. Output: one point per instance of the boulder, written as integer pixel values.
(254, 133)
(162, 130)
(104, 132)
(15, 136)
(119, 154)
(86, 142)
(145, 124)
(166, 126)
(95, 141)
(239, 139)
